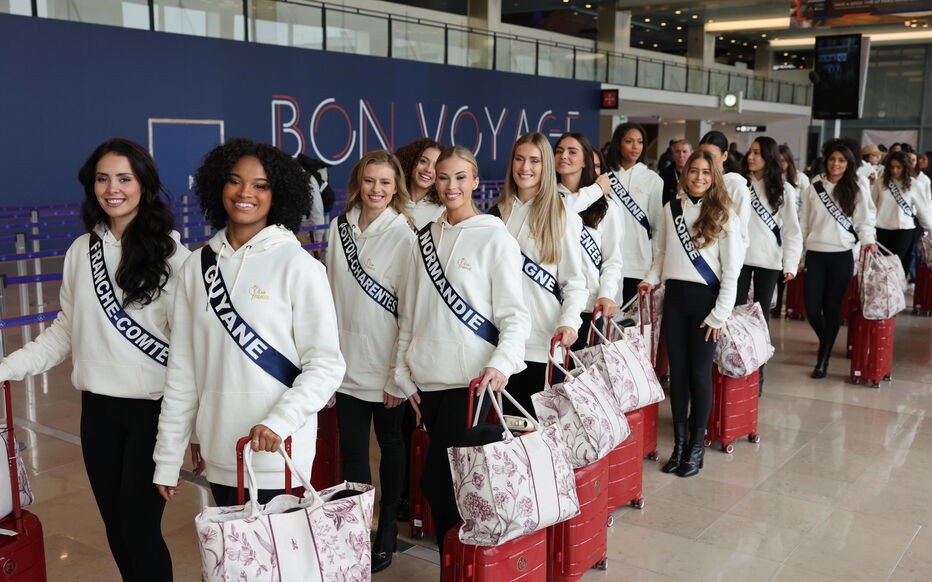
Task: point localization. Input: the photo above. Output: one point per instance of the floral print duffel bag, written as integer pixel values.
(744, 344)
(882, 285)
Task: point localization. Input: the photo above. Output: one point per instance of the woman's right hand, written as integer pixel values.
(604, 183)
(197, 460)
(168, 492)
(644, 287)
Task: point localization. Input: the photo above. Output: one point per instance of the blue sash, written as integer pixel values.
(124, 324)
(899, 199)
(686, 239)
(628, 202)
(765, 215)
(542, 277)
(256, 349)
(591, 247)
(476, 322)
(834, 210)
(370, 286)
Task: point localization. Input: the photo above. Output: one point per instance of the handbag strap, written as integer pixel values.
(501, 416)
(594, 331)
(253, 503)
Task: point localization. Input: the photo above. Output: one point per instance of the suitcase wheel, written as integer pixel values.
(638, 503)
(729, 448)
(754, 438)
(601, 564)
(653, 456)
(887, 378)
(610, 521)
(665, 378)
(856, 380)
(874, 384)
(417, 534)
(708, 443)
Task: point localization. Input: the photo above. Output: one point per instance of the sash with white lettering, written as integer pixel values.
(686, 239)
(899, 199)
(834, 210)
(370, 286)
(764, 214)
(540, 275)
(124, 324)
(256, 349)
(472, 319)
(629, 202)
(591, 247)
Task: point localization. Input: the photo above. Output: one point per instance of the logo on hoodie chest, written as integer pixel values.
(257, 292)
(462, 264)
(369, 264)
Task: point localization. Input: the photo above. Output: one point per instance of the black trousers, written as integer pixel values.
(526, 383)
(629, 288)
(355, 416)
(765, 281)
(900, 243)
(117, 440)
(444, 413)
(225, 496)
(685, 306)
(582, 339)
(827, 278)
(781, 286)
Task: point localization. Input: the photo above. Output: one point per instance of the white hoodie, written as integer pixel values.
(764, 251)
(482, 262)
(103, 360)
(724, 256)
(368, 331)
(822, 233)
(608, 236)
(547, 314)
(423, 211)
(646, 188)
(740, 194)
(890, 215)
(213, 388)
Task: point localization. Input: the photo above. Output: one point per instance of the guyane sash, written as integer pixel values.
(764, 214)
(124, 324)
(370, 286)
(628, 202)
(475, 321)
(591, 247)
(899, 199)
(834, 210)
(256, 349)
(686, 239)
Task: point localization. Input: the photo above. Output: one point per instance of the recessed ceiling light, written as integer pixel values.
(664, 24)
(695, 16)
(655, 45)
(642, 42)
(677, 12)
(679, 28)
(786, 54)
(744, 44)
(733, 41)
(721, 38)
(647, 20)
(764, 35)
(588, 5)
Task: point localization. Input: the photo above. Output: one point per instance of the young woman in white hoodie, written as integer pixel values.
(716, 144)
(639, 191)
(118, 284)
(900, 202)
(371, 245)
(699, 256)
(835, 216)
(601, 235)
(552, 274)
(464, 317)
(418, 160)
(255, 327)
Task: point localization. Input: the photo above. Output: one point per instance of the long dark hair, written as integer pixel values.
(410, 154)
(614, 148)
(791, 170)
(147, 242)
(846, 190)
(593, 215)
(903, 159)
(773, 173)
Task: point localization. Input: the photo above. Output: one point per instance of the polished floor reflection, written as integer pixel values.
(840, 488)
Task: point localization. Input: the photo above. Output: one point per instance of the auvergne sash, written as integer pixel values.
(686, 239)
(834, 210)
(764, 214)
(370, 286)
(629, 202)
(256, 349)
(591, 247)
(900, 200)
(134, 333)
(472, 319)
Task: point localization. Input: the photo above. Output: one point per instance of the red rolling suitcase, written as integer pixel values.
(22, 556)
(626, 467)
(854, 318)
(850, 299)
(651, 414)
(420, 519)
(521, 560)
(922, 295)
(328, 462)
(661, 369)
(795, 303)
(872, 352)
(579, 544)
(734, 410)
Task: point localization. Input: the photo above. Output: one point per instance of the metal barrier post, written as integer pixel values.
(184, 219)
(2, 313)
(37, 266)
(21, 270)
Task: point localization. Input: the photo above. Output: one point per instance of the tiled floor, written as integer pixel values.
(840, 488)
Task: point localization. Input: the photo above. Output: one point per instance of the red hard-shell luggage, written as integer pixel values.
(872, 351)
(854, 319)
(420, 519)
(522, 559)
(734, 409)
(661, 369)
(922, 295)
(626, 467)
(328, 461)
(651, 414)
(22, 557)
(795, 302)
(579, 544)
(850, 299)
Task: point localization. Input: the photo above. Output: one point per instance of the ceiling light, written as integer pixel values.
(764, 35)
(655, 45)
(642, 42)
(744, 44)
(733, 41)
(588, 5)
(677, 12)
(679, 40)
(750, 24)
(681, 28)
(647, 20)
(721, 38)
(695, 16)
(664, 24)
(755, 46)
(806, 41)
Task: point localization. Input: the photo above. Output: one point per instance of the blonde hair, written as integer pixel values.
(548, 217)
(716, 202)
(401, 196)
(467, 156)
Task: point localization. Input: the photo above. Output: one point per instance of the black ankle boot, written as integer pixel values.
(821, 367)
(693, 460)
(386, 539)
(679, 448)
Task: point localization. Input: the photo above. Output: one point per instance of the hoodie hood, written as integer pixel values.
(385, 222)
(267, 238)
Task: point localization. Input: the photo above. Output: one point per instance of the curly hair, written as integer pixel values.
(147, 242)
(773, 172)
(593, 215)
(907, 175)
(291, 192)
(715, 202)
(409, 155)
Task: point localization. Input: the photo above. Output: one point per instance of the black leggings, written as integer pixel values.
(765, 281)
(226, 496)
(629, 288)
(117, 441)
(526, 383)
(899, 242)
(827, 278)
(685, 307)
(355, 416)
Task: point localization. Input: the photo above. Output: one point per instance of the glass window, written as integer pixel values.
(515, 56)
(469, 49)
(894, 84)
(21, 7)
(417, 42)
(650, 74)
(674, 77)
(125, 13)
(555, 61)
(589, 65)
(286, 24)
(211, 18)
(361, 34)
(697, 80)
(622, 70)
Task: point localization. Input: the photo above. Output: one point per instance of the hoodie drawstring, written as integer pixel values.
(239, 270)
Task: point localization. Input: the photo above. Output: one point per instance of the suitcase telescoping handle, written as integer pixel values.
(598, 313)
(554, 342)
(473, 386)
(240, 477)
(649, 309)
(11, 452)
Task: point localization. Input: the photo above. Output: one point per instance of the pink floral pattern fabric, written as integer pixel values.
(507, 489)
(882, 286)
(744, 344)
(292, 539)
(626, 365)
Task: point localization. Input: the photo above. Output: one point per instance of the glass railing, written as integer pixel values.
(313, 25)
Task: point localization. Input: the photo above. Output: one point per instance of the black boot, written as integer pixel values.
(679, 448)
(386, 539)
(821, 367)
(693, 460)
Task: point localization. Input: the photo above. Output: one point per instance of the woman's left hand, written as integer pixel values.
(872, 248)
(391, 401)
(569, 336)
(264, 439)
(710, 332)
(609, 307)
(493, 379)
(787, 277)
